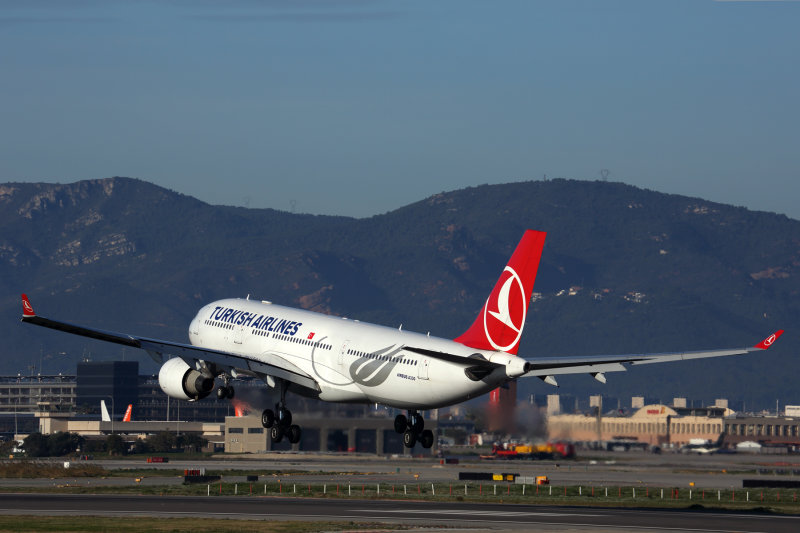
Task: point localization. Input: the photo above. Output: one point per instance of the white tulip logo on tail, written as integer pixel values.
(511, 308)
(499, 323)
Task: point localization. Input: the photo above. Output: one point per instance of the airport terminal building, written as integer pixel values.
(655, 425)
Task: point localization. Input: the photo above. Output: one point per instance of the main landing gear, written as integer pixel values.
(279, 421)
(412, 429)
(225, 390)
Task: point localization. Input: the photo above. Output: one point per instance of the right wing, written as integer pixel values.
(272, 365)
(597, 365)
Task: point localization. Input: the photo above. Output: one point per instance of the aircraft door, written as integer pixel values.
(342, 352)
(238, 334)
(422, 368)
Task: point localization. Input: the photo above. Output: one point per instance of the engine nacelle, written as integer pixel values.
(178, 380)
(514, 366)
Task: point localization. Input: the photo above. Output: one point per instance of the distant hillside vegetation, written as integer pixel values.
(624, 270)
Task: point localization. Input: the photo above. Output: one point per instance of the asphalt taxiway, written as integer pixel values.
(421, 514)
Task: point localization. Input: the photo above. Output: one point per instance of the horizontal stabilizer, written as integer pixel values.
(453, 358)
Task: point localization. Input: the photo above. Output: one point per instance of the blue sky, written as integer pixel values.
(357, 107)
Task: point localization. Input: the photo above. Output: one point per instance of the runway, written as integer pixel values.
(494, 517)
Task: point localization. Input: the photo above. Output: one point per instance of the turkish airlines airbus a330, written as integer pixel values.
(340, 360)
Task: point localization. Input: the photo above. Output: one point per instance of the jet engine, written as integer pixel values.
(178, 380)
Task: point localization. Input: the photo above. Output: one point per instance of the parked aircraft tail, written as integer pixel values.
(500, 322)
(128, 412)
(104, 416)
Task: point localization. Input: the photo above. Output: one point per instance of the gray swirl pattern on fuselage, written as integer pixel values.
(373, 372)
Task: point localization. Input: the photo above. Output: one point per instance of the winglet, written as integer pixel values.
(27, 308)
(766, 343)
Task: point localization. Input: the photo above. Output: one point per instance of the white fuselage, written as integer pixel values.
(350, 360)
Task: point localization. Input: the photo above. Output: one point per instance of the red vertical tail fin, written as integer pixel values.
(128, 412)
(500, 322)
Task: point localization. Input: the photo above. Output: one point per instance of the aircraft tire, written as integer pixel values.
(284, 417)
(221, 393)
(230, 392)
(417, 423)
(276, 433)
(400, 423)
(294, 433)
(426, 438)
(267, 418)
(409, 439)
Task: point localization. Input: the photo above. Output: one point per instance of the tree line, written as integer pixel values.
(65, 444)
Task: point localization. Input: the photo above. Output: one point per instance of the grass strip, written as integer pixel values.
(89, 524)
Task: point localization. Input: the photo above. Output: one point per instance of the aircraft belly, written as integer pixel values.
(339, 393)
(446, 385)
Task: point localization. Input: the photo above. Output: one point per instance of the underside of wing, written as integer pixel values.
(268, 364)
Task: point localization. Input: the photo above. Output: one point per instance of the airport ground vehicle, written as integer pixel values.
(550, 450)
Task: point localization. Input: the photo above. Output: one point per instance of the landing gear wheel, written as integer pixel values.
(409, 439)
(224, 391)
(284, 417)
(426, 438)
(400, 423)
(294, 433)
(416, 423)
(267, 418)
(276, 433)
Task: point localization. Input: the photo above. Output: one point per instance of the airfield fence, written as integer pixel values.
(519, 493)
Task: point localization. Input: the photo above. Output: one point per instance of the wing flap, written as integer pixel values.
(577, 369)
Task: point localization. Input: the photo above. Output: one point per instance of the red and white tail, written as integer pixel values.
(27, 308)
(128, 412)
(500, 322)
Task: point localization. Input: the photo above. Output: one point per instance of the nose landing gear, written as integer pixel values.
(412, 428)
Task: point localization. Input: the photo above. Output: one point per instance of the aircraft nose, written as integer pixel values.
(194, 327)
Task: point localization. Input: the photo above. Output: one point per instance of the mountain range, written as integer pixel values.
(624, 270)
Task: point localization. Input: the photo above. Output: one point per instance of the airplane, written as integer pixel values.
(336, 359)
